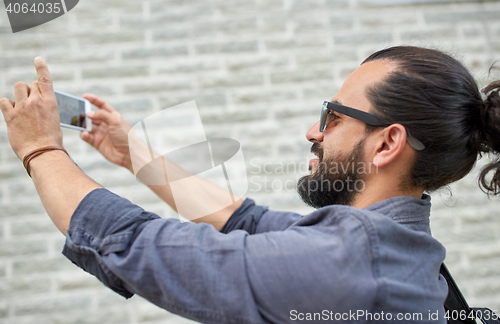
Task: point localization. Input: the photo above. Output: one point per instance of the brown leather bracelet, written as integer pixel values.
(33, 154)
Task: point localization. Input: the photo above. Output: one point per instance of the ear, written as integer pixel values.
(390, 145)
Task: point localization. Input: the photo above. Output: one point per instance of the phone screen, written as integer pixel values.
(71, 110)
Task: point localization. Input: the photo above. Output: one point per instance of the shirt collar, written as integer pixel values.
(404, 209)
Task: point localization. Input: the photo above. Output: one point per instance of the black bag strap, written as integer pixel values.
(456, 304)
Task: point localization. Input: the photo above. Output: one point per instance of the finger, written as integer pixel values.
(96, 122)
(6, 105)
(98, 102)
(34, 87)
(44, 79)
(21, 90)
(88, 137)
(101, 116)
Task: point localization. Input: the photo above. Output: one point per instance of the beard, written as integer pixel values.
(336, 180)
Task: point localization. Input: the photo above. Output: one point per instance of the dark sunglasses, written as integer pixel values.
(369, 119)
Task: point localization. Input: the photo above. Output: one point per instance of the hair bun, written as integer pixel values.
(490, 116)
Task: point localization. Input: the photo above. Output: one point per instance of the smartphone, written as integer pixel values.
(73, 111)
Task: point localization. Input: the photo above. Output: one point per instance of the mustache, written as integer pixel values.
(316, 149)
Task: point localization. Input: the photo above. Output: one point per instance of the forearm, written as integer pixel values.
(200, 195)
(206, 194)
(61, 186)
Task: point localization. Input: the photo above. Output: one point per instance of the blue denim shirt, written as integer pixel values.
(378, 264)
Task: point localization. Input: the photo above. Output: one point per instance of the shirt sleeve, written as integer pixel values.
(189, 269)
(256, 219)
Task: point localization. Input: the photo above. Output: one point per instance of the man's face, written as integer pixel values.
(343, 149)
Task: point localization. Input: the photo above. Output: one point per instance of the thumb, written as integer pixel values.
(87, 137)
(102, 116)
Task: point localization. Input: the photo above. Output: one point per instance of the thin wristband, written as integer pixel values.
(33, 154)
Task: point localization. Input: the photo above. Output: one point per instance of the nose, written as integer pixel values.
(313, 134)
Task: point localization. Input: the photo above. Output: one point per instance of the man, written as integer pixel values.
(365, 255)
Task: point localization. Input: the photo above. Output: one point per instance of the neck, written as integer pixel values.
(379, 190)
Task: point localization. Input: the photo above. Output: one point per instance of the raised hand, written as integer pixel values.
(33, 119)
(110, 137)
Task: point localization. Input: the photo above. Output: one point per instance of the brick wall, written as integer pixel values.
(259, 70)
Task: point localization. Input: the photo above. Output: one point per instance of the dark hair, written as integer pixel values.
(437, 100)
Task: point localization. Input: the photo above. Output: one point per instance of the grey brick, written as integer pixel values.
(397, 18)
(75, 282)
(305, 5)
(24, 285)
(298, 147)
(256, 62)
(108, 299)
(489, 288)
(159, 86)
(238, 116)
(301, 112)
(163, 51)
(267, 5)
(102, 90)
(340, 22)
(4, 310)
(336, 4)
(301, 76)
(473, 31)
(118, 315)
(202, 100)
(111, 37)
(29, 43)
(275, 22)
(170, 33)
(17, 248)
(296, 43)
(227, 26)
(363, 38)
(51, 304)
(156, 21)
(121, 6)
(460, 17)
(429, 33)
(227, 47)
(29, 77)
(190, 66)
(41, 266)
(318, 91)
(248, 97)
(32, 227)
(376, 3)
(334, 57)
(132, 105)
(154, 315)
(309, 25)
(163, 14)
(234, 7)
(486, 252)
(115, 72)
(10, 209)
(265, 131)
(233, 80)
(81, 57)
(16, 61)
(22, 188)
